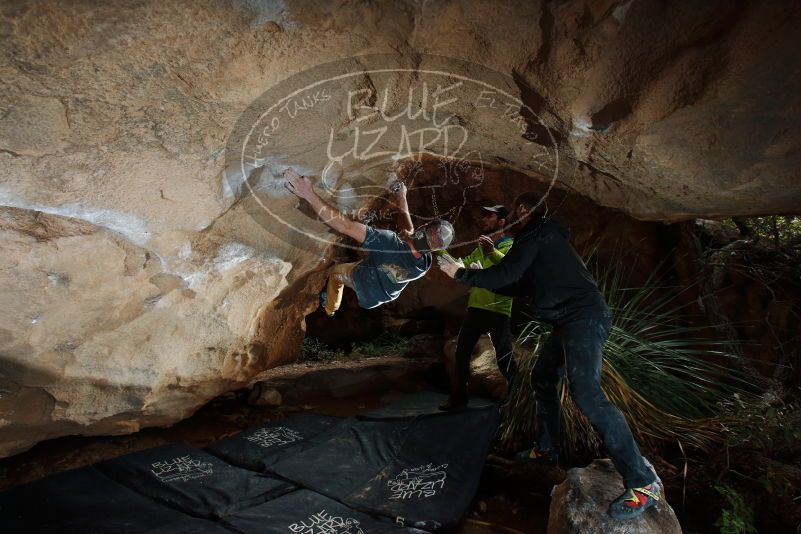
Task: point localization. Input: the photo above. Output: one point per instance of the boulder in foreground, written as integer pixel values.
(580, 504)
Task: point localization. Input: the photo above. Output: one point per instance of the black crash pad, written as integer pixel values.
(192, 481)
(306, 512)
(391, 470)
(262, 446)
(422, 403)
(83, 501)
(418, 470)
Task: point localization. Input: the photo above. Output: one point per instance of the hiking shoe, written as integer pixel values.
(634, 502)
(456, 401)
(537, 457)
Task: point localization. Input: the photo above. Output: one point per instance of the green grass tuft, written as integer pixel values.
(667, 376)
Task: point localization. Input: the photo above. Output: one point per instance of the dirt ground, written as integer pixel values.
(499, 507)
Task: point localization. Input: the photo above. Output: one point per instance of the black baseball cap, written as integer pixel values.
(500, 209)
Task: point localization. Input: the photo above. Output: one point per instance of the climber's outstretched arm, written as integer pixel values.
(303, 188)
(404, 220)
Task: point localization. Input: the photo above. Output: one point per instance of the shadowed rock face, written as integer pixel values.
(134, 288)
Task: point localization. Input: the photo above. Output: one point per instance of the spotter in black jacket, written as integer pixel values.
(543, 265)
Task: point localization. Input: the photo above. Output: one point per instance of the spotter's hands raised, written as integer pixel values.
(449, 265)
(486, 243)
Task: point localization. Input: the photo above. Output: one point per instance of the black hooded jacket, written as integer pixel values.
(543, 265)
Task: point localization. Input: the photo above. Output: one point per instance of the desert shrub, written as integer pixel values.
(668, 376)
(314, 350)
(387, 344)
(738, 516)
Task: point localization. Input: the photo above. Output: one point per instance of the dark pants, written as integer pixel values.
(577, 347)
(479, 322)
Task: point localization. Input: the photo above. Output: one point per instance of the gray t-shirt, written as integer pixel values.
(387, 269)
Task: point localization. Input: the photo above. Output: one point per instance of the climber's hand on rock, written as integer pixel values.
(297, 184)
(400, 190)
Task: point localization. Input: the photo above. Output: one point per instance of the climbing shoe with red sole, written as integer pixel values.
(634, 502)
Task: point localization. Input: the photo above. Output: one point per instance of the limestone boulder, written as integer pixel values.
(263, 395)
(102, 336)
(485, 376)
(580, 504)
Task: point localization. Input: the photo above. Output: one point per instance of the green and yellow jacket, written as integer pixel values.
(484, 298)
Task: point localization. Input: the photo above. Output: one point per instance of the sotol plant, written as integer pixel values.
(668, 376)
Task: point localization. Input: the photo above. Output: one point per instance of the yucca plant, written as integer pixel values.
(666, 375)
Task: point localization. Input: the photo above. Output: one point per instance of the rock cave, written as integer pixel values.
(161, 283)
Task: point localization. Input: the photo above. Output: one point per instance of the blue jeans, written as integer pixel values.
(577, 348)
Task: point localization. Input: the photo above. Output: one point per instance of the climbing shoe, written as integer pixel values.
(456, 401)
(634, 502)
(537, 457)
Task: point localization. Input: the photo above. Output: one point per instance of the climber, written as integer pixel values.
(487, 312)
(543, 266)
(393, 259)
